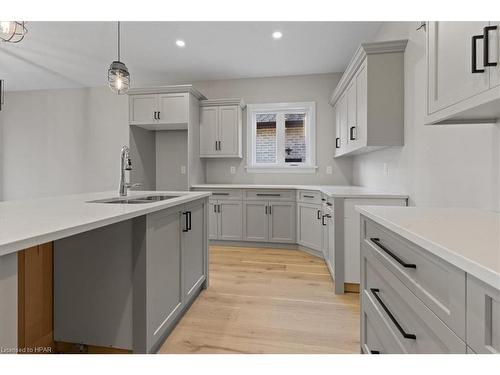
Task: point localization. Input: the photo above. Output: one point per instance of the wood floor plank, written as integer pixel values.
(264, 300)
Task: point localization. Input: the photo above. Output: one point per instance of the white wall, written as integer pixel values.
(455, 165)
(62, 141)
(317, 88)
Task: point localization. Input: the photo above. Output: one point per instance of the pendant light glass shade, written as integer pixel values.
(118, 75)
(12, 31)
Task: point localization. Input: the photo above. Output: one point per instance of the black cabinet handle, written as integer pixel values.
(486, 50)
(374, 352)
(220, 193)
(396, 323)
(268, 195)
(187, 222)
(270, 210)
(318, 215)
(266, 209)
(337, 142)
(215, 208)
(376, 241)
(154, 115)
(308, 196)
(158, 115)
(323, 220)
(475, 38)
(215, 145)
(329, 204)
(351, 133)
(219, 208)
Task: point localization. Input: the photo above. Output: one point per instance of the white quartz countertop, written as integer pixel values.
(466, 238)
(330, 190)
(31, 222)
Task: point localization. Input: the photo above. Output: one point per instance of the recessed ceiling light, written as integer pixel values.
(180, 43)
(277, 35)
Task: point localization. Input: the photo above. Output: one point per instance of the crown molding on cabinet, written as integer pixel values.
(391, 46)
(173, 89)
(217, 102)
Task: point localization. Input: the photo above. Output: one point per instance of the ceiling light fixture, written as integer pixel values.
(118, 75)
(180, 43)
(12, 31)
(277, 35)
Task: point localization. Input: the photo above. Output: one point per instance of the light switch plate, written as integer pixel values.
(232, 170)
(329, 169)
(183, 169)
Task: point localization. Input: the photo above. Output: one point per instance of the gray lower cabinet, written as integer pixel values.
(483, 317)
(125, 285)
(269, 221)
(226, 220)
(309, 227)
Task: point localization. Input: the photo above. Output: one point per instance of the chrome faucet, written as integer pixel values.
(125, 165)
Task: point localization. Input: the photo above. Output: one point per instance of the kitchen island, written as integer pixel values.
(123, 273)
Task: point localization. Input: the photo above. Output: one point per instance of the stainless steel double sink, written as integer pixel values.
(136, 200)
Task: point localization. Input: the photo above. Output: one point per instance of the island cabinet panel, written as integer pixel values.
(193, 254)
(483, 317)
(163, 280)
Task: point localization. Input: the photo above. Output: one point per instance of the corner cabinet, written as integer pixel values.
(463, 70)
(369, 99)
(221, 128)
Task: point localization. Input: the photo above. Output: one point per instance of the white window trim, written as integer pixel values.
(310, 166)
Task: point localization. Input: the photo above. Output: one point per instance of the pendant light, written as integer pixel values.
(12, 31)
(118, 75)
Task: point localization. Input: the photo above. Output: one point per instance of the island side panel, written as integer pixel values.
(8, 305)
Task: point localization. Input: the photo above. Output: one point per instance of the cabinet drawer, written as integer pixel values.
(229, 194)
(483, 317)
(275, 195)
(308, 196)
(413, 324)
(437, 283)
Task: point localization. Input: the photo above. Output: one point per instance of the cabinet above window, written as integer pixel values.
(368, 102)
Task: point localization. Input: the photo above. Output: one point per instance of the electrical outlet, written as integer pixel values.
(386, 169)
(183, 169)
(232, 170)
(329, 169)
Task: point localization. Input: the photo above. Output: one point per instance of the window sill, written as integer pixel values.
(302, 169)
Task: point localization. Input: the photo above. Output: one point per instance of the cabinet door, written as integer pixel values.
(361, 106)
(351, 124)
(164, 293)
(309, 229)
(142, 109)
(449, 49)
(229, 130)
(209, 119)
(172, 108)
(282, 222)
(494, 54)
(256, 221)
(331, 244)
(193, 249)
(230, 220)
(213, 221)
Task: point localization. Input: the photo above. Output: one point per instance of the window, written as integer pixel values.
(281, 137)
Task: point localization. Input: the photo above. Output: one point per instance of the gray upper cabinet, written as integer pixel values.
(142, 109)
(368, 100)
(309, 228)
(221, 128)
(193, 255)
(462, 81)
(483, 317)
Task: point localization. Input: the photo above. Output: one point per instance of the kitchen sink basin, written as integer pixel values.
(136, 200)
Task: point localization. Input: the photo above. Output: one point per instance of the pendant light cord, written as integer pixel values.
(118, 40)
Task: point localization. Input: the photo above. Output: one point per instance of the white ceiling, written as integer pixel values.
(77, 54)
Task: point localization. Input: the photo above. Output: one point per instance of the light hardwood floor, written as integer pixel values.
(267, 301)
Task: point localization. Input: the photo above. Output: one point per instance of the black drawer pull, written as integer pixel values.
(398, 326)
(337, 142)
(374, 352)
(318, 215)
(308, 196)
(474, 69)
(220, 193)
(268, 195)
(329, 204)
(352, 137)
(186, 229)
(486, 49)
(376, 241)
